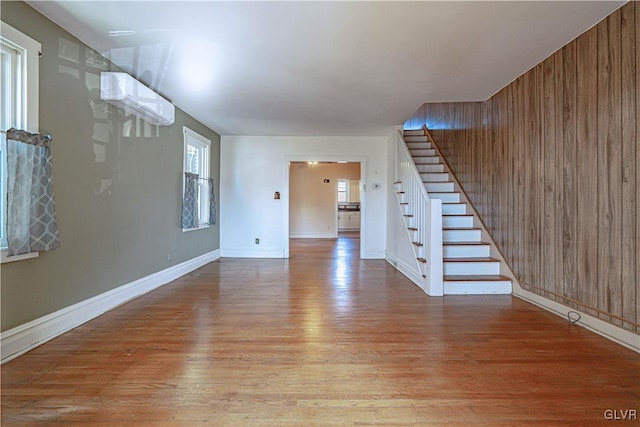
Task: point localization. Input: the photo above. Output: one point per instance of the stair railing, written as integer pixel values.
(423, 219)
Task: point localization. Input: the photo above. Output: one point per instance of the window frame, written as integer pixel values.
(24, 108)
(346, 190)
(203, 145)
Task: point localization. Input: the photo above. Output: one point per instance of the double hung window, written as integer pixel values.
(196, 161)
(18, 99)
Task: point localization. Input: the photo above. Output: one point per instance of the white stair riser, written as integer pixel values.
(426, 159)
(418, 152)
(457, 221)
(477, 288)
(408, 221)
(437, 177)
(431, 168)
(471, 268)
(422, 145)
(414, 132)
(454, 208)
(465, 251)
(438, 187)
(445, 197)
(460, 235)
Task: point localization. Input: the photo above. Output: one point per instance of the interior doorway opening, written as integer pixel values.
(326, 201)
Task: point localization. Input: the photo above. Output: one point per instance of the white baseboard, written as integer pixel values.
(410, 272)
(374, 255)
(23, 338)
(253, 253)
(313, 236)
(612, 332)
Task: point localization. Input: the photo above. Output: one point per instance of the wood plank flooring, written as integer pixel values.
(321, 339)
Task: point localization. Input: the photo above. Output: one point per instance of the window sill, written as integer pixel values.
(201, 227)
(5, 259)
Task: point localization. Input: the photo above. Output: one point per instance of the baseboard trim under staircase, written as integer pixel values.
(468, 267)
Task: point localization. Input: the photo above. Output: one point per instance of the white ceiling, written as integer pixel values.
(322, 68)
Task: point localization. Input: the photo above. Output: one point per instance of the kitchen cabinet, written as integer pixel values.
(348, 220)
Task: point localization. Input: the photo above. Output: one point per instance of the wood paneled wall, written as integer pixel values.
(552, 165)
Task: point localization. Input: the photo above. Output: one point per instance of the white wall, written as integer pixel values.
(252, 168)
(313, 202)
(399, 252)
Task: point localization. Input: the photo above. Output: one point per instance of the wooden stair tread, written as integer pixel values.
(464, 243)
(425, 164)
(478, 278)
(459, 228)
(412, 228)
(417, 243)
(422, 260)
(456, 215)
(476, 259)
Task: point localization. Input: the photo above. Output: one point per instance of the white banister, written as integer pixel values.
(423, 219)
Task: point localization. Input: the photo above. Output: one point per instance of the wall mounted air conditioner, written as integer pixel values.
(123, 91)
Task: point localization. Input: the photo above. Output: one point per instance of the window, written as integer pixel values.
(197, 160)
(343, 190)
(19, 71)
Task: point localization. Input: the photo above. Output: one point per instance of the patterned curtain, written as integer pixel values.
(190, 201)
(31, 224)
(212, 202)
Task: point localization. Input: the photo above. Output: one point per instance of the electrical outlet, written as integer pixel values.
(257, 241)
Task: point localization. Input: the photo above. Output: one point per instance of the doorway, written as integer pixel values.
(313, 210)
(348, 194)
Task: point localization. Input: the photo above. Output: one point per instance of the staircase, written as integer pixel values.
(468, 267)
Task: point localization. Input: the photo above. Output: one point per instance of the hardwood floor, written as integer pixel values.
(321, 339)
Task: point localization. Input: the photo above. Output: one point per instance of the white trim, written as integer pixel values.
(5, 259)
(203, 145)
(313, 236)
(31, 62)
(200, 227)
(614, 333)
(253, 253)
(372, 254)
(23, 338)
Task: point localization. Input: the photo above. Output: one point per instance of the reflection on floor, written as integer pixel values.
(321, 339)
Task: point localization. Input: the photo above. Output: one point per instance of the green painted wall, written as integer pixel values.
(117, 185)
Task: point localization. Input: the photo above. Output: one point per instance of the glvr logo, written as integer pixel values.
(621, 414)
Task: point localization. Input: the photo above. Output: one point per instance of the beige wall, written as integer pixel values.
(117, 185)
(313, 203)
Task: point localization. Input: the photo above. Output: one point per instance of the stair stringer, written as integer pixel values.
(415, 271)
(422, 218)
(505, 268)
